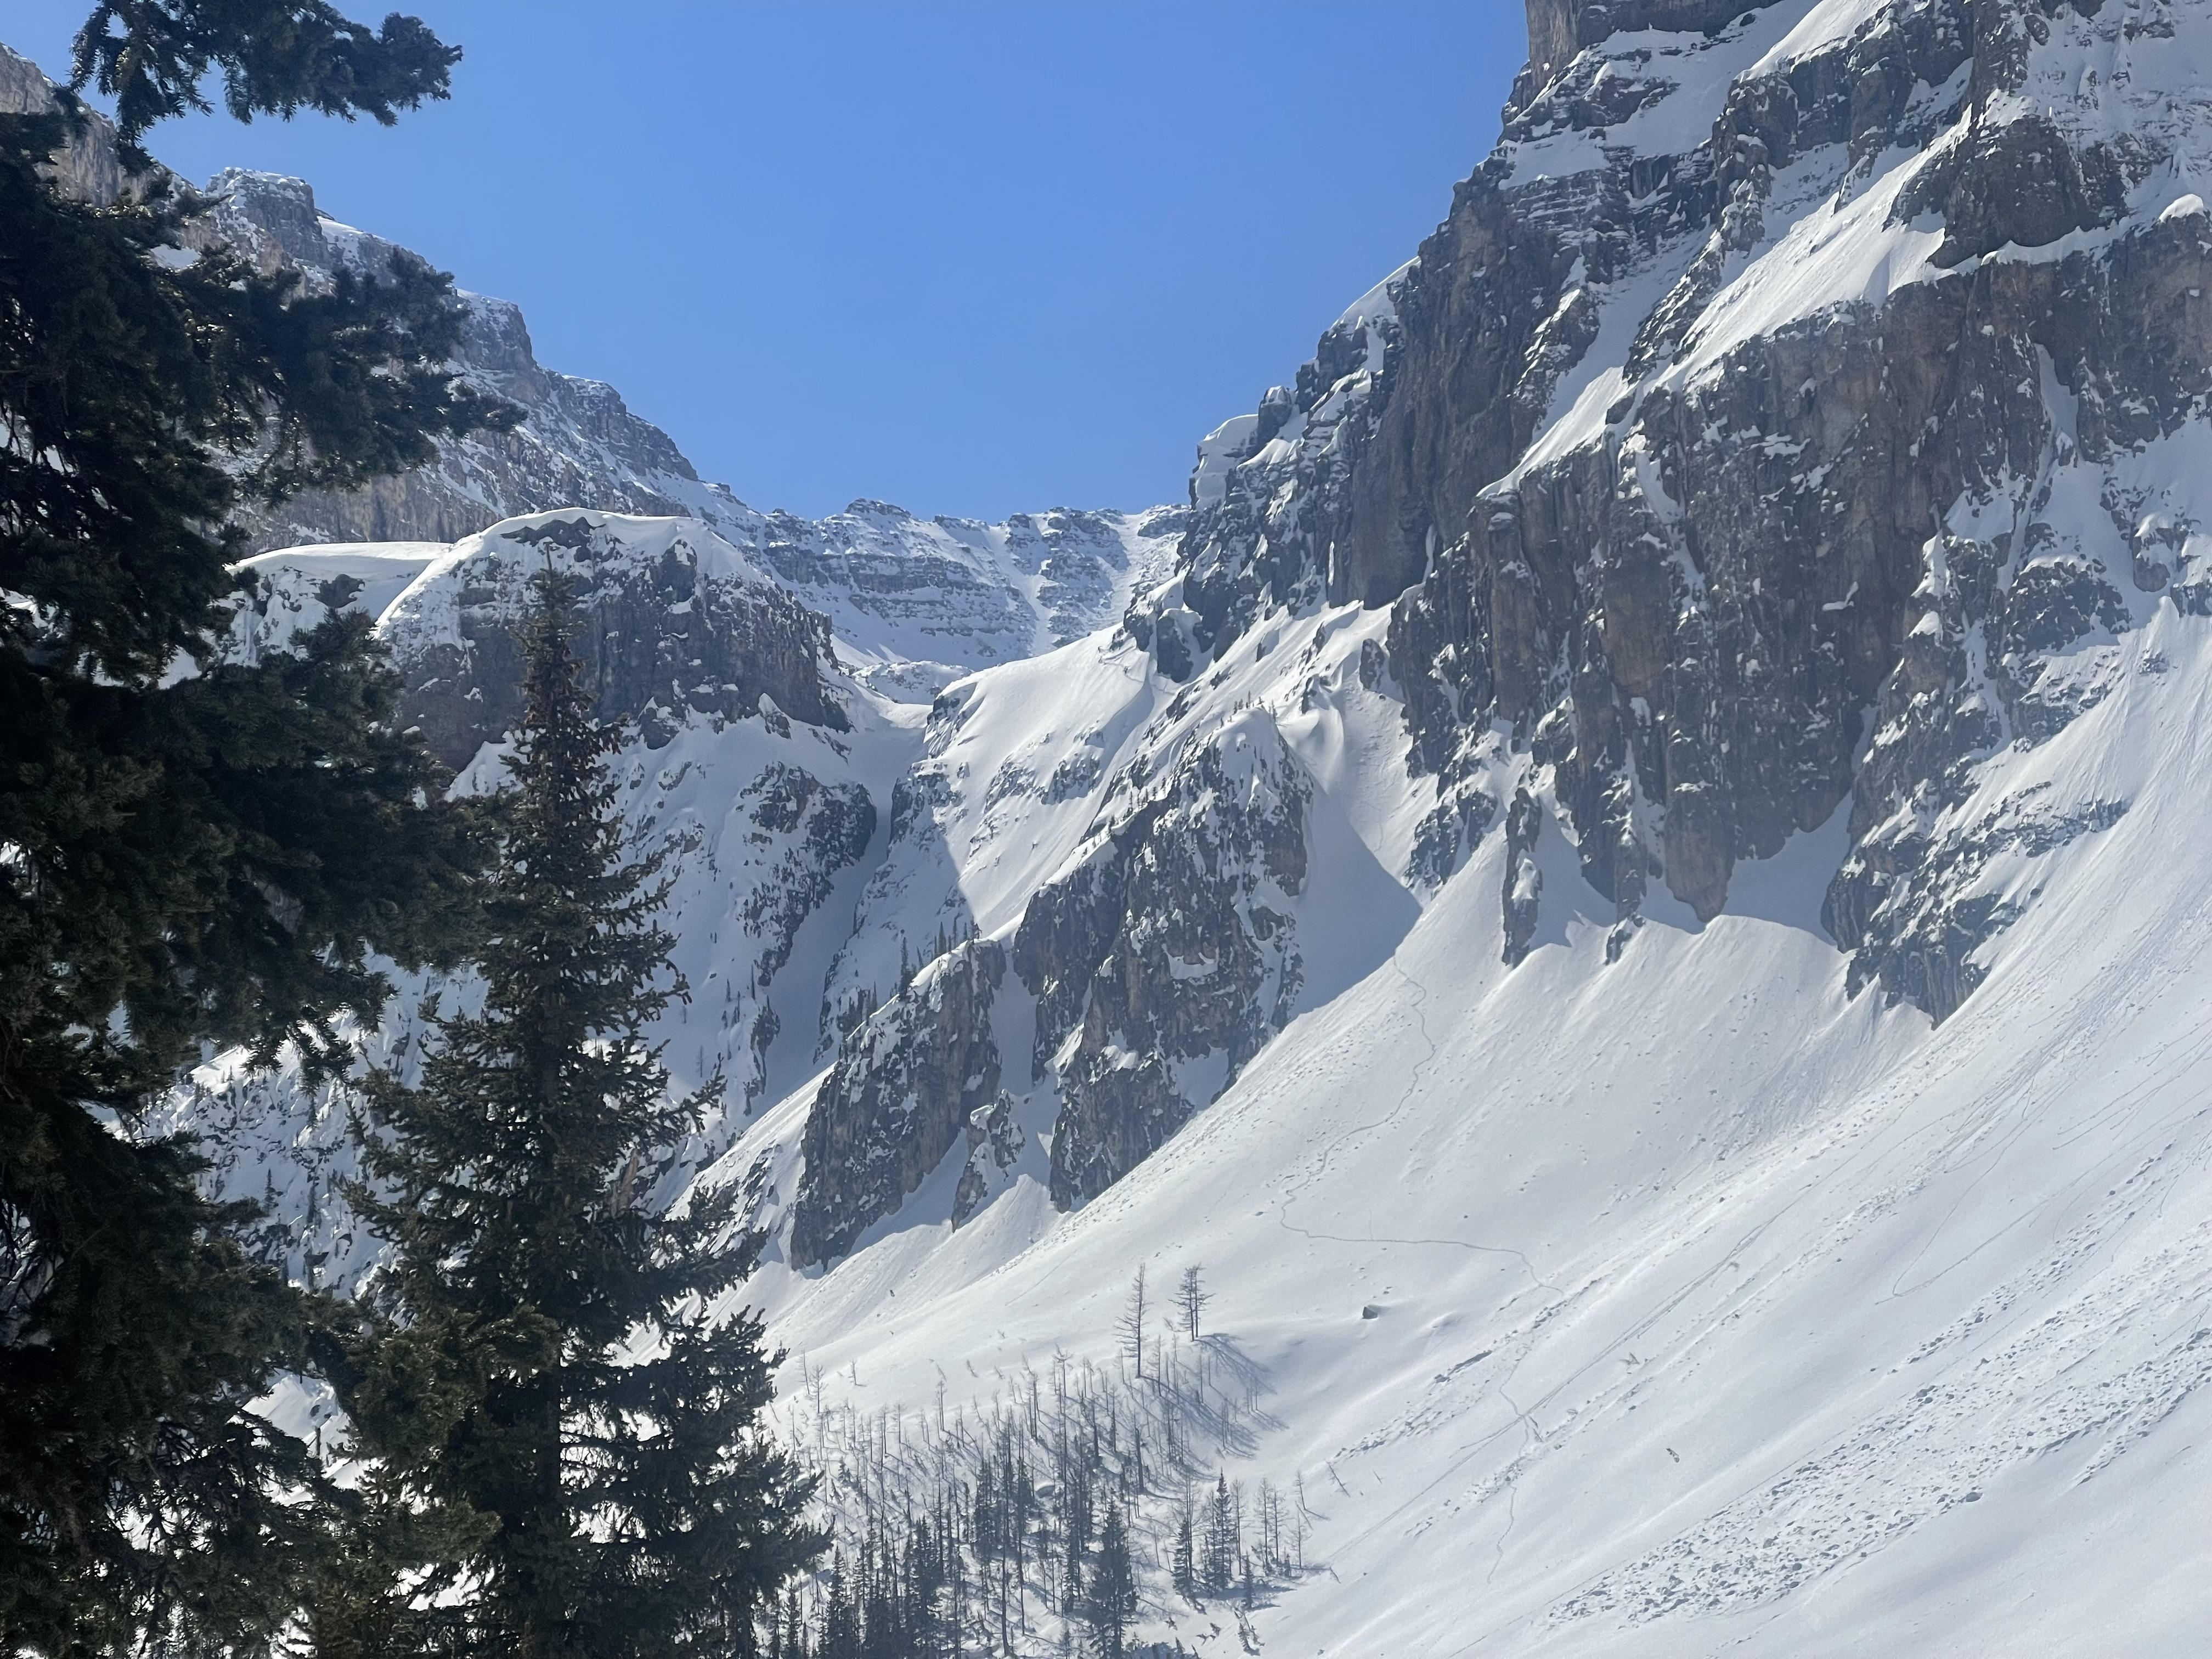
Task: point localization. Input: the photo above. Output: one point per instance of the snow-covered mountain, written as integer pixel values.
(1741, 583)
(917, 602)
(1632, 900)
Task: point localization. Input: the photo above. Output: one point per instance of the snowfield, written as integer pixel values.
(1716, 1311)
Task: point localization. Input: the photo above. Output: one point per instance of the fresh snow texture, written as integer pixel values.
(1715, 1309)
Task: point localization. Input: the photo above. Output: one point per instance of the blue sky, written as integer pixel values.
(970, 257)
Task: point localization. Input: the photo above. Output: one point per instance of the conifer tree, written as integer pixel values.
(1113, 1586)
(1224, 1538)
(1185, 1560)
(556, 1369)
(1191, 1299)
(192, 848)
(276, 57)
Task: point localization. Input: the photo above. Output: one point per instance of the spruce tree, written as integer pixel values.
(275, 58)
(1224, 1538)
(557, 1369)
(1185, 1559)
(192, 849)
(1113, 1586)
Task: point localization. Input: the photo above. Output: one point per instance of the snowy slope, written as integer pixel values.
(1716, 1310)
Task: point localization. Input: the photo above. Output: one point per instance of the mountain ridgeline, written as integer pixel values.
(1758, 438)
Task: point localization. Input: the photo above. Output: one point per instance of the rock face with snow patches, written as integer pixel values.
(909, 1082)
(1779, 369)
(671, 625)
(1169, 954)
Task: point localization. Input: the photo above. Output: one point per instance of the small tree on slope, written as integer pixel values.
(1113, 1587)
(557, 1371)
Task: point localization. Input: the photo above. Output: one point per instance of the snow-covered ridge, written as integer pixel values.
(915, 602)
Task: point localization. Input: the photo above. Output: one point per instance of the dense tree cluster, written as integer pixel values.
(1078, 1504)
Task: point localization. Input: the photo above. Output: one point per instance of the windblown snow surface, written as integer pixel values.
(1715, 1310)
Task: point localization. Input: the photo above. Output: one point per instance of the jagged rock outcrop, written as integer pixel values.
(1159, 960)
(803, 830)
(1770, 425)
(88, 167)
(1521, 891)
(1268, 494)
(1165, 958)
(910, 1079)
(674, 623)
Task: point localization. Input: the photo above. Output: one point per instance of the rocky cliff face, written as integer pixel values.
(1774, 422)
(674, 625)
(87, 167)
(1169, 954)
(910, 1084)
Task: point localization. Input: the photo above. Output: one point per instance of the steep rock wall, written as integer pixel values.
(1708, 454)
(908, 1082)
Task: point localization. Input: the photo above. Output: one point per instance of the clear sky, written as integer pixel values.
(970, 256)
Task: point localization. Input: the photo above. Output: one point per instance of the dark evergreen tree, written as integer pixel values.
(555, 1367)
(1223, 1539)
(1113, 1586)
(1184, 1567)
(192, 849)
(276, 57)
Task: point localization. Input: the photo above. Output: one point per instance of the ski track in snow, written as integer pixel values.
(1319, 1169)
